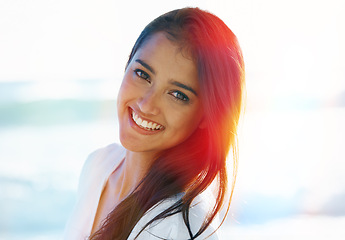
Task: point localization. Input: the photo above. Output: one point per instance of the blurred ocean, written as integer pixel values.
(291, 182)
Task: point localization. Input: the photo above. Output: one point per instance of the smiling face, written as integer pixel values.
(158, 103)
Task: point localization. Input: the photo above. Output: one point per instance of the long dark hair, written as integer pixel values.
(193, 165)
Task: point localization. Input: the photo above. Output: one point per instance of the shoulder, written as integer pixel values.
(104, 155)
(96, 169)
(173, 227)
(100, 161)
(112, 151)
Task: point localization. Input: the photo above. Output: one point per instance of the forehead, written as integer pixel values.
(167, 57)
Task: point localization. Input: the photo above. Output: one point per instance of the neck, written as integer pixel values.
(132, 171)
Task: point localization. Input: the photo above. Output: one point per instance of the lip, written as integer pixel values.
(139, 129)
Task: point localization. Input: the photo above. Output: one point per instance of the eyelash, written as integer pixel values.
(179, 96)
(140, 74)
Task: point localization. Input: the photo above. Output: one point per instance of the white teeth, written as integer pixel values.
(135, 117)
(145, 124)
(139, 121)
(149, 125)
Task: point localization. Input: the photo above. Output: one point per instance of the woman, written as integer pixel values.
(178, 109)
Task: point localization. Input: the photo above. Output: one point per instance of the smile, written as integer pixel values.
(147, 125)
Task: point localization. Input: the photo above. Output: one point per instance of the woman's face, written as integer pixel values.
(159, 102)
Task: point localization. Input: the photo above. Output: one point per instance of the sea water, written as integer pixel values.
(290, 180)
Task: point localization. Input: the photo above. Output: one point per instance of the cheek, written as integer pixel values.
(186, 122)
(124, 94)
(119, 100)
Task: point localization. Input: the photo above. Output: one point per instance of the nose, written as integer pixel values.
(149, 103)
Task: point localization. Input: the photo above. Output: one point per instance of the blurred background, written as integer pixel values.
(62, 61)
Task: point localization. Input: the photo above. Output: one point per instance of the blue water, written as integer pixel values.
(44, 142)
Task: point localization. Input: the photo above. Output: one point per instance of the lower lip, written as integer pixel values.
(139, 129)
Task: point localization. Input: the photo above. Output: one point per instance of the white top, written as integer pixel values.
(96, 171)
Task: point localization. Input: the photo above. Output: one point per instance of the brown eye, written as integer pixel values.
(180, 96)
(142, 74)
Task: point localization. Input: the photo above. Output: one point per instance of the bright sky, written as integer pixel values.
(290, 47)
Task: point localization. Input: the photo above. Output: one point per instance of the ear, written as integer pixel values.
(202, 124)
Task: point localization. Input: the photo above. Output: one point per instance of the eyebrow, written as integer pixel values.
(147, 66)
(178, 84)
